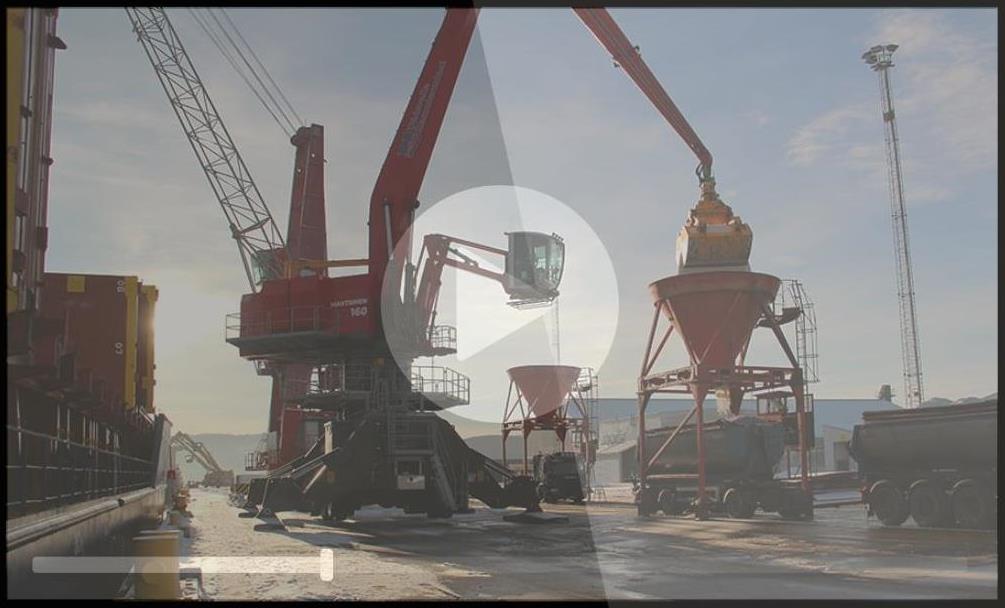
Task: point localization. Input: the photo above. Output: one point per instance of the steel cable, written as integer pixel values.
(264, 69)
(223, 51)
(240, 54)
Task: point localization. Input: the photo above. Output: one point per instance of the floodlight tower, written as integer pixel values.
(880, 58)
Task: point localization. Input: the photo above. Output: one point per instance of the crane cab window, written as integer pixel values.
(534, 265)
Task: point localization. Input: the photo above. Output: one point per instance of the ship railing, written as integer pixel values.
(45, 471)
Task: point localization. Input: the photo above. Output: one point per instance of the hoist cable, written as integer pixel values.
(264, 69)
(223, 51)
(252, 69)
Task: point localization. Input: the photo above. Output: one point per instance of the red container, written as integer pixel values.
(98, 346)
(715, 312)
(544, 387)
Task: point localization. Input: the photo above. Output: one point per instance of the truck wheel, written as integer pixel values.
(342, 514)
(647, 502)
(887, 503)
(738, 504)
(770, 500)
(928, 504)
(665, 502)
(796, 505)
(970, 504)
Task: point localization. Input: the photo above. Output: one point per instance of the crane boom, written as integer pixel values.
(259, 239)
(603, 26)
(713, 238)
(394, 198)
(198, 451)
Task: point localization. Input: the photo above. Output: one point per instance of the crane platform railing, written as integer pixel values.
(441, 384)
(292, 319)
(443, 337)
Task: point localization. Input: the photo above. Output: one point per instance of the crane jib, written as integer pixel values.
(260, 242)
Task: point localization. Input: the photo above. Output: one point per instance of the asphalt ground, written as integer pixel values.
(603, 551)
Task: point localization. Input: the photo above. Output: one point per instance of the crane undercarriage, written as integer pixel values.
(387, 447)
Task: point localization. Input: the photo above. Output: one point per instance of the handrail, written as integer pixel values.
(291, 319)
(449, 382)
(45, 470)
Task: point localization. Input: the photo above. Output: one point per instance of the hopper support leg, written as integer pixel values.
(797, 391)
(505, 435)
(701, 507)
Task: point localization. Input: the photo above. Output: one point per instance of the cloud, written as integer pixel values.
(826, 135)
(951, 76)
(757, 117)
(946, 97)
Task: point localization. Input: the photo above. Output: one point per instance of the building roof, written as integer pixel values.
(617, 448)
(840, 413)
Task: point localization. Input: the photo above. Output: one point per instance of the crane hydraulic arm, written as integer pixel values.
(395, 193)
(600, 22)
(712, 237)
(534, 263)
(259, 239)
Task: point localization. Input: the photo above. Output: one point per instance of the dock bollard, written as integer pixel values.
(157, 578)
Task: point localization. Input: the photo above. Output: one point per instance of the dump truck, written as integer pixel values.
(558, 477)
(740, 459)
(935, 465)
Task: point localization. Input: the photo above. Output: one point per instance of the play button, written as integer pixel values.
(492, 334)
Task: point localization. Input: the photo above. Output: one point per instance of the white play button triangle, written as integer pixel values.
(482, 313)
(491, 336)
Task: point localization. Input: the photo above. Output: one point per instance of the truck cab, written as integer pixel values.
(558, 477)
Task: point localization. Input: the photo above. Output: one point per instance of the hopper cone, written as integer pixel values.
(715, 312)
(544, 387)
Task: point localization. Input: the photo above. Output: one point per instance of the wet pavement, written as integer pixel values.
(604, 552)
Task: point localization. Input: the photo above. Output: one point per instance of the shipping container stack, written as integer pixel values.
(80, 348)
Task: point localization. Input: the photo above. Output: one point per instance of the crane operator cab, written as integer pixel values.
(534, 265)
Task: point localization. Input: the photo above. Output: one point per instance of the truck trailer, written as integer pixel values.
(936, 465)
(740, 456)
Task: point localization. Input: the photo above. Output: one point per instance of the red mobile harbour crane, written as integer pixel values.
(382, 440)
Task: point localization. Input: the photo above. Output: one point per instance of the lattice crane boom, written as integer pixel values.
(197, 450)
(259, 239)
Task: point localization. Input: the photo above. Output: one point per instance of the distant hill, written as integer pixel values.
(939, 401)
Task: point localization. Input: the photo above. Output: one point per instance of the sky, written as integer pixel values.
(780, 97)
